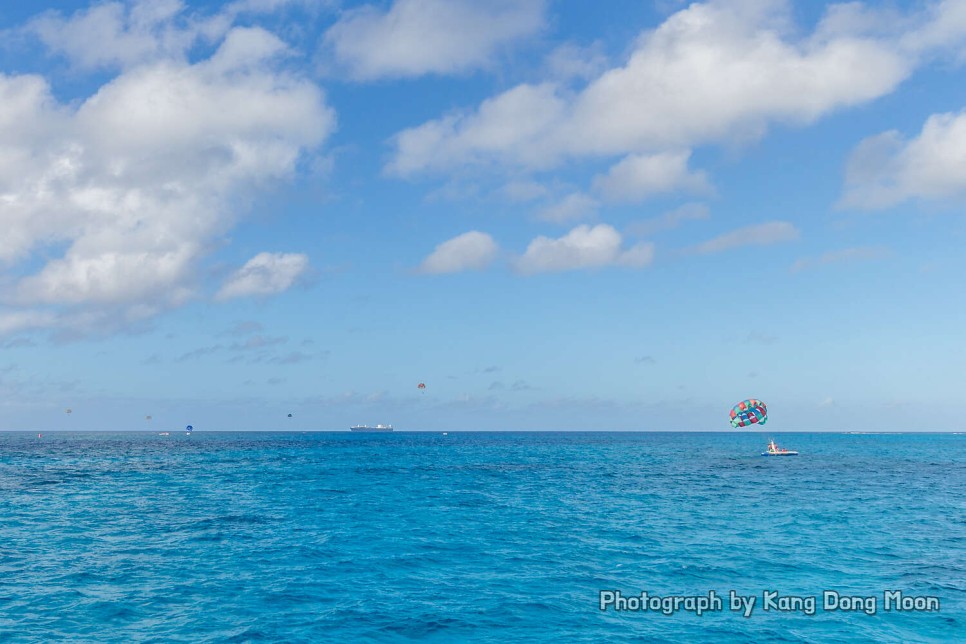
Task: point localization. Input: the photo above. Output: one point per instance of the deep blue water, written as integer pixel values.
(473, 536)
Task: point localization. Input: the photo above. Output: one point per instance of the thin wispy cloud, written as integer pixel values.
(571, 61)
(245, 327)
(670, 220)
(843, 255)
(265, 274)
(760, 337)
(523, 190)
(573, 207)
(773, 232)
(257, 342)
(199, 353)
(18, 343)
(296, 357)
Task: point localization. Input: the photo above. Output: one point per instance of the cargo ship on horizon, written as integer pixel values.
(367, 428)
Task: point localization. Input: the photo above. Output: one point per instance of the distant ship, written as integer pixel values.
(367, 428)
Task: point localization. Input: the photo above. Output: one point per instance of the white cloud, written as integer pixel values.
(639, 176)
(126, 190)
(13, 321)
(772, 232)
(574, 206)
(116, 34)
(517, 127)
(670, 219)
(111, 276)
(523, 190)
(858, 253)
(941, 29)
(884, 170)
(269, 6)
(126, 34)
(470, 251)
(416, 37)
(711, 73)
(265, 274)
(571, 61)
(583, 247)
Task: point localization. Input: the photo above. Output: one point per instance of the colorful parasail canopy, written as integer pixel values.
(749, 412)
(421, 385)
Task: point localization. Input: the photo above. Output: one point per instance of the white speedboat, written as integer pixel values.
(774, 450)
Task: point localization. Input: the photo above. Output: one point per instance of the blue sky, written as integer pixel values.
(225, 212)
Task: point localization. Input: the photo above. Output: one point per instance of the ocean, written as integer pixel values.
(482, 537)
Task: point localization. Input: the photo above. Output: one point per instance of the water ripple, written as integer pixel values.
(481, 537)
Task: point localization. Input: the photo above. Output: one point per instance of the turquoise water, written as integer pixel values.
(474, 536)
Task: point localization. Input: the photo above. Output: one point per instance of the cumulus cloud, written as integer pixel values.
(127, 189)
(115, 34)
(639, 176)
(265, 274)
(470, 251)
(885, 170)
(416, 37)
(711, 73)
(858, 253)
(125, 34)
(583, 247)
(670, 219)
(514, 127)
(772, 232)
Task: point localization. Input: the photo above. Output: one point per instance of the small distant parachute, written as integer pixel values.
(69, 411)
(421, 385)
(147, 418)
(290, 415)
(749, 412)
